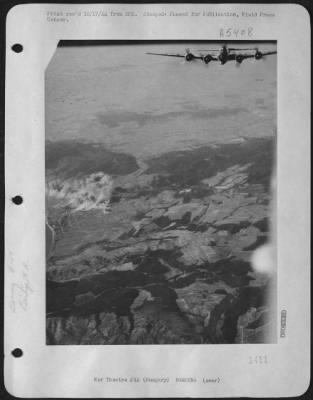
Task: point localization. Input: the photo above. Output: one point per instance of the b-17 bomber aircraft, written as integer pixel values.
(223, 55)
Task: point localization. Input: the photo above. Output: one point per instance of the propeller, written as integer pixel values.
(258, 54)
(239, 60)
(207, 59)
(189, 56)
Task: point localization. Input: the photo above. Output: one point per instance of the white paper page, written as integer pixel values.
(159, 246)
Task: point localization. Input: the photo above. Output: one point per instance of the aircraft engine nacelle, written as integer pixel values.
(239, 59)
(189, 57)
(258, 55)
(207, 58)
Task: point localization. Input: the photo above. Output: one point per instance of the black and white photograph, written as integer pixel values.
(157, 201)
(159, 158)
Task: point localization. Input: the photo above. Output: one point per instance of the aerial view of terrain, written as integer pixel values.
(158, 179)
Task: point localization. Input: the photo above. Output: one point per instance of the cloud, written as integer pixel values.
(115, 119)
(82, 194)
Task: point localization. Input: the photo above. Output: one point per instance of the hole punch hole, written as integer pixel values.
(17, 48)
(17, 200)
(17, 353)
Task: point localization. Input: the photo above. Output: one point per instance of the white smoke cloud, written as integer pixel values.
(81, 194)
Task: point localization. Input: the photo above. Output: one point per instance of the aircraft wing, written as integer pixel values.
(168, 54)
(245, 56)
(269, 53)
(212, 57)
(174, 55)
